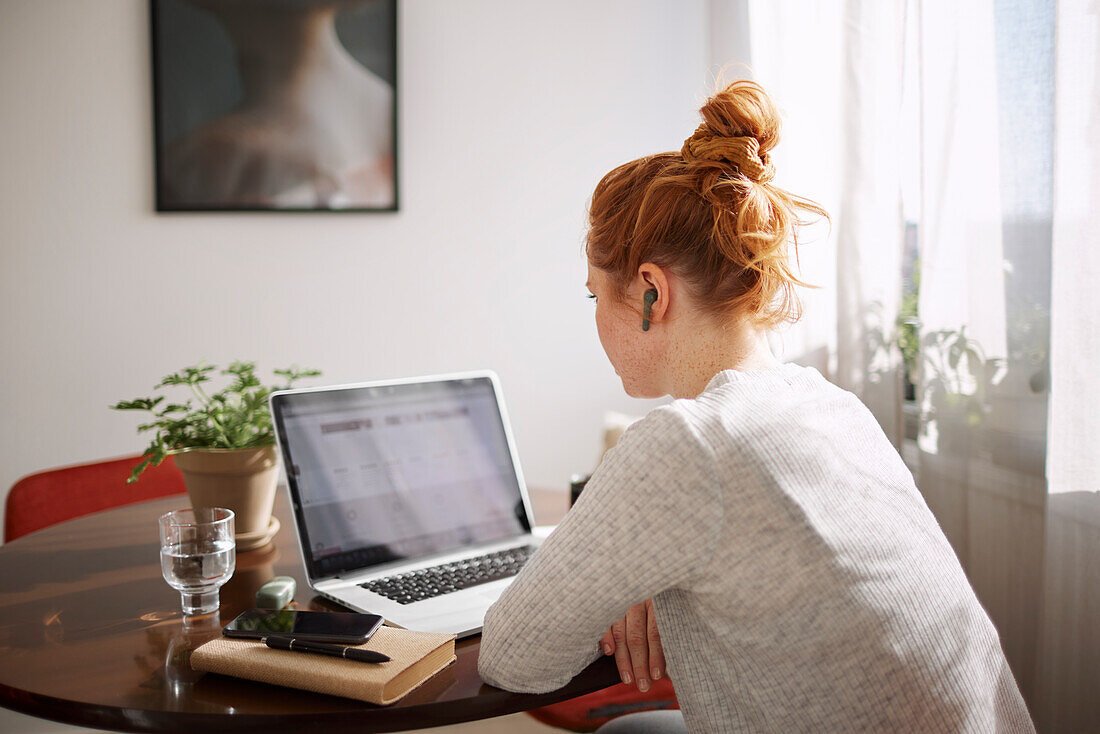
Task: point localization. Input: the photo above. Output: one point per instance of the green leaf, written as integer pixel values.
(294, 373)
(154, 455)
(239, 367)
(138, 404)
(187, 376)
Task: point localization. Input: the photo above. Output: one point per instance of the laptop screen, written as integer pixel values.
(384, 473)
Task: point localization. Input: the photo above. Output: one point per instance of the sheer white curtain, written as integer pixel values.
(1069, 630)
(835, 69)
(1009, 129)
(984, 299)
(1005, 129)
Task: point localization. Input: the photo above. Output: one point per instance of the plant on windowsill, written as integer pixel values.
(957, 377)
(223, 443)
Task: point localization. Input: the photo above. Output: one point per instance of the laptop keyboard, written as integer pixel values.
(424, 583)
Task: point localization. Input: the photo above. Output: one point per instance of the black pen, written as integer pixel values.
(286, 642)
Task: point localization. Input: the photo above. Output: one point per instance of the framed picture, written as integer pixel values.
(285, 105)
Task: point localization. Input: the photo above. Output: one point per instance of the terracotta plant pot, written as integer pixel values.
(242, 480)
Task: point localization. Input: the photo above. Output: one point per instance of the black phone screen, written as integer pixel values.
(320, 626)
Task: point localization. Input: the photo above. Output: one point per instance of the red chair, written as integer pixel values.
(590, 712)
(49, 497)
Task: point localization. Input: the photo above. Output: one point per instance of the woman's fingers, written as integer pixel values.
(636, 645)
(656, 652)
(622, 653)
(637, 641)
(607, 642)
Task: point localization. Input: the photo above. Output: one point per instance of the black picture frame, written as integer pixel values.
(284, 106)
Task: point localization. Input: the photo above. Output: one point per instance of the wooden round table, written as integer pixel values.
(91, 635)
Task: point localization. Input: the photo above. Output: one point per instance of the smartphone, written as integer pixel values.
(345, 627)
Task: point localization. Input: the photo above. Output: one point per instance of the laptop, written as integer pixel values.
(407, 495)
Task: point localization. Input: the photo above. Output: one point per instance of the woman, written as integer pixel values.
(758, 540)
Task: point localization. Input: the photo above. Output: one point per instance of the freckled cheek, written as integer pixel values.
(603, 329)
(631, 357)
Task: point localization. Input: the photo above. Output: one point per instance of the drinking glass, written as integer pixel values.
(197, 555)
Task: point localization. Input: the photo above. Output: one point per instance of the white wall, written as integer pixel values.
(510, 112)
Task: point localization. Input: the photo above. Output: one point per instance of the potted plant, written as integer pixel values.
(223, 442)
(957, 377)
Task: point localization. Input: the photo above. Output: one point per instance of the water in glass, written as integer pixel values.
(197, 555)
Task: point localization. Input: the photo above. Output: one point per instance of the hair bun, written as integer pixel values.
(740, 125)
(741, 151)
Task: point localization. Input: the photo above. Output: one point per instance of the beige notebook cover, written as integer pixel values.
(415, 657)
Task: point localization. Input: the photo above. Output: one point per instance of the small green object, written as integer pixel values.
(276, 593)
(647, 304)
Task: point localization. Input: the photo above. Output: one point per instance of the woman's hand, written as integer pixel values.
(636, 645)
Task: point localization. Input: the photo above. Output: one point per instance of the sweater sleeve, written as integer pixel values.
(645, 523)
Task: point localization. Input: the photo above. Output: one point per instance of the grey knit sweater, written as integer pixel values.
(799, 579)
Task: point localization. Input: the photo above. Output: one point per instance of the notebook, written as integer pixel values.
(415, 657)
(407, 496)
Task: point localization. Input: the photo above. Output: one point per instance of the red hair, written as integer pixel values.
(709, 213)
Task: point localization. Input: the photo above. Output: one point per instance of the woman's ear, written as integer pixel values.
(652, 286)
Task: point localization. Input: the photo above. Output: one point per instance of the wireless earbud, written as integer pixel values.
(647, 305)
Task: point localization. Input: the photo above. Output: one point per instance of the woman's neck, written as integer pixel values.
(703, 349)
